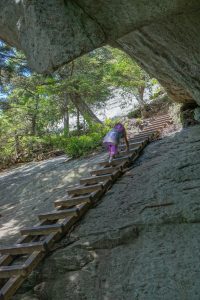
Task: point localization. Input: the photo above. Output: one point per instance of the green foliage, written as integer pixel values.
(39, 147)
(136, 113)
(78, 146)
(81, 145)
(34, 107)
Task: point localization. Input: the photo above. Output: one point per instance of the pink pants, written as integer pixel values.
(113, 149)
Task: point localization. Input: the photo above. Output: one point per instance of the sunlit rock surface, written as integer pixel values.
(32, 189)
(142, 241)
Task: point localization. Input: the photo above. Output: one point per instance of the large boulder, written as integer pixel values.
(163, 36)
(142, 241)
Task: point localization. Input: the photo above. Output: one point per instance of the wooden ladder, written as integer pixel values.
(19, 260)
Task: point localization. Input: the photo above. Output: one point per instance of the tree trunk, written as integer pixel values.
(84, 109)
(78, 120)
(84, 125)
(34, 118)
(141, 101)
(16, 145)
(65, 112)
(66, 121)
(33, 125)
(141, 90)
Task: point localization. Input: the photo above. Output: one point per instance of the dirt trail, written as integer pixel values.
(31, 189)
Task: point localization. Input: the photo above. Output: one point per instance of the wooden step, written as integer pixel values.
(103, 171)
(89, 199)
(120, 159)
(158, 123)
(129, 152)
(42, 230)
(152, 135)
(25, 248)
(149, 134)
(59, 214)
(141, 140)
(22, 270)
(144, 140)
(133, 144)
(95, 179)
(115, 161)
(81, 190)
(153, 127)
(10, 287)
(131, 148)
(143, 134)
(69, 202)
(161, 118)
(8, 271)
(146, 130)
(14, 282)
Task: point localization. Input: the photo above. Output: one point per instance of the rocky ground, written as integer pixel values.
(32, 188)
(141, 242)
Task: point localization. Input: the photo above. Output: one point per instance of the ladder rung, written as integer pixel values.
(131, 147)
(133, 144)
(122, 158)
(14, 282)
(153, 127)
(95, 179)
(136, 139)
(115, 161)
(103, 171)
(134, 148)
(148, 136)
(147, 133)
(130, 151)
(147, 130)
(81, 190)
(42, 230)
(158, 123)
(23, 248)
(59, 214)
(8, 271)
(162, 118)
(10, 287)
(144, 135)
(68, 202)
(129, 154)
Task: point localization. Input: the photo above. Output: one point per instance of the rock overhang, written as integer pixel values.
(161, 35)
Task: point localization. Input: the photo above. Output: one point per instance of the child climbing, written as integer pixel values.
(112, 140)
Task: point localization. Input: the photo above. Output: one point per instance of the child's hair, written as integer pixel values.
(119, 127)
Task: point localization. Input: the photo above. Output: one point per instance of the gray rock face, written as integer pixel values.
(163, 36)
(142, 241)
(165, 50)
